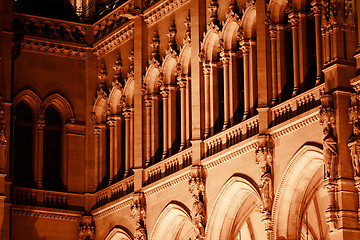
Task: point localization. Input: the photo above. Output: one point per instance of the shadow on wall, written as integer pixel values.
(24, 227)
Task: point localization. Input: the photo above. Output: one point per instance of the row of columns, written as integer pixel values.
(231, 85)
(117, 158)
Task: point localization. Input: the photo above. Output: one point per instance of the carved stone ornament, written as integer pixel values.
(87, 228)
(213, 19)
(102, 77)
(171, 35)
(264, 157)
(138, 213)
(197, 191)
(155, 55)
(117, 68)
(327, 111)
(3, 139)
(187, 24)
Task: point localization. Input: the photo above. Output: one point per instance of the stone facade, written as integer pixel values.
(180, 119)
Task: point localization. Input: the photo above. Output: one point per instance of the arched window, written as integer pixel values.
(23, 146)
(52, 150)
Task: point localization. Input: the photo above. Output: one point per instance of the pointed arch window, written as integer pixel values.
(23, 145)
(52, 151)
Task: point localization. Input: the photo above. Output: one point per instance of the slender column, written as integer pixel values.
(245, 49)
(154, 126)
(188, 111)
(148, 101)
(316, 8)
(127, 115)
(273, 36)
(111, 122)
(117, 146)
(214, 96)
(40, 148)
(132, 138)
(165, 96)
(225, 58)
(207, 69)
(97, 131)
(253, 77)
(182, 85)
(294, 20)
(172, 112)
(281, 56)
(233, 88)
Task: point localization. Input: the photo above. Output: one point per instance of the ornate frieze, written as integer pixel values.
(53, 49)
(161, 10)
(264, 157)
(338, 12)
(197, 191)
(115, 40)
(87, 228)
(138, 213)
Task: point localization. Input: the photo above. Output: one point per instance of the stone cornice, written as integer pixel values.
(154, 14)
(45, 47)
(233, 152)
(160, 186)
(304, 120)
(117, 38)
(112, 207)
(64, 215)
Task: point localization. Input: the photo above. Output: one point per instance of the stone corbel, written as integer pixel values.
(197, 191)
(138, 213)
(87, 228)
(264, 157)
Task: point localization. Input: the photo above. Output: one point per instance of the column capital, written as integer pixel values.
(148, 100)
(316, 7)
(245, 46)
(127, 113)
(97, 129)
(294, 19)
(273, 30)
(182, 81)
(164, 91)
(225, 57)
(111, 121)
(206, 68)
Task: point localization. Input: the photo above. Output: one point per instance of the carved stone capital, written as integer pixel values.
(127, 113)
(225, 57)
(206, 68)
(164, 91)
(273, 31)
(148, 100)
(316, 7)
(182, 81)
(264, 153)
(138, 213)
(294, 19)
(245, 47)
(87, 228)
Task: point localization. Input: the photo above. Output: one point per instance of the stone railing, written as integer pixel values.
(168, 166)
(114, 192)
(296, 105)
(231, 136)
(45, 198)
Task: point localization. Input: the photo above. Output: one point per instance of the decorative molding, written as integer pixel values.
(115, 40)
(115, 207)
(162, 10)
(113, 20)
(49, 214)
(87, 228)
(214, 162)
(62, 50)
(163, 186)
(50, 28)
(303, 122)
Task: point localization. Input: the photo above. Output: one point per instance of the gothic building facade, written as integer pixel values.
(180, 119)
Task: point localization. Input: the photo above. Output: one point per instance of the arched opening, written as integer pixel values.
(301, 200)
(174, 223)
(119, 233)
(52, 152)
(236, 213)
(23, 145)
